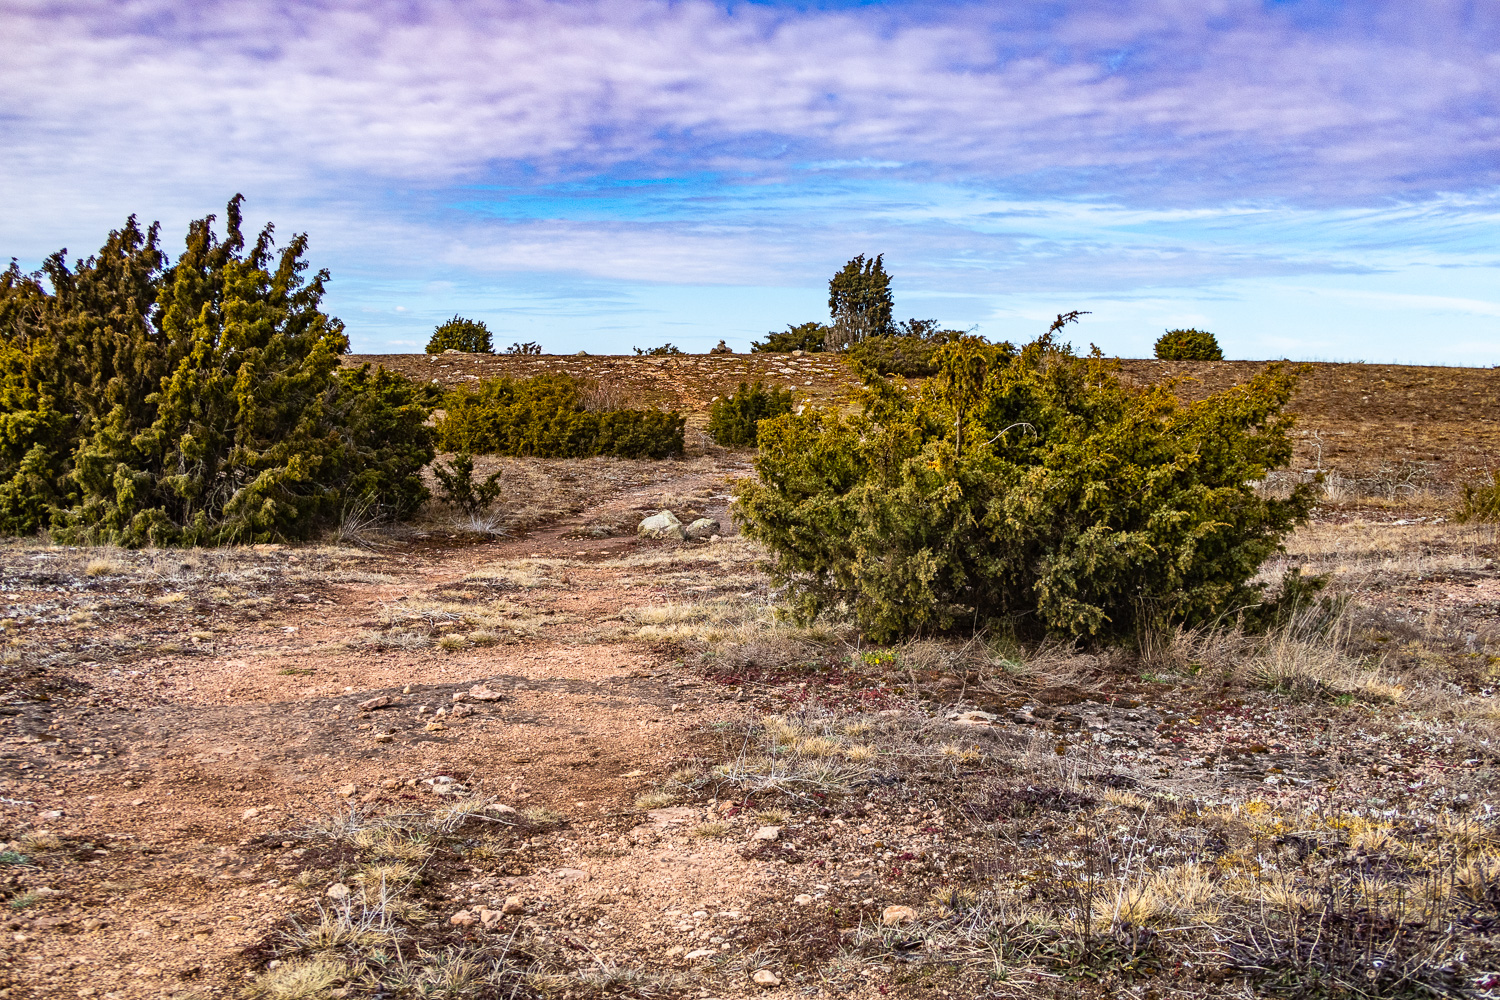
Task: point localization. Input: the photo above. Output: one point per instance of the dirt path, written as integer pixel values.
(186, 811)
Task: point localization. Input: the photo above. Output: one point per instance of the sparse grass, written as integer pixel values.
(452, 642)
(25, 899)
(300, 979)
(655, 800)
(712, 831)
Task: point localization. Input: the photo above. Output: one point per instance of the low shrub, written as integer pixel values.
(733, 419)
(809, 337)
(1481, 501)
(659, 352)
(458, 334)
(911, 357)
(1030, 489)
(545, 417)
(457, 488)
(1188, 345)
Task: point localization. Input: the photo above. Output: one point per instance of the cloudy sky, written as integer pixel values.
(1306, 178)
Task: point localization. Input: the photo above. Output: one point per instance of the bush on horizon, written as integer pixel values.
(1029, 490)
(193, 402)
(470, 336)
(807, 337)
(545, 417)
(1188, 345)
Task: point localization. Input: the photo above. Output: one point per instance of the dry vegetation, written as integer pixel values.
(1308, 812)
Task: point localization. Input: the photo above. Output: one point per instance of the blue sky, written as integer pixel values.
(1305, 178)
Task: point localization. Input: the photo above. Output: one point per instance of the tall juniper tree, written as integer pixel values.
(859, 300)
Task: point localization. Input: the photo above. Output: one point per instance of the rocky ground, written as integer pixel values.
(565, 761)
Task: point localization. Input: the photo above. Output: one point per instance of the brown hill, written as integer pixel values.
(1392, 423)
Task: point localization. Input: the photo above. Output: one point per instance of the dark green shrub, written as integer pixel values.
(196, 403)
(458, 334)
(457, 488)
(809, 337)
(659, 352)
(544, 417)
(1188, 345)
(733, 419)
(531, 349)
(1481, 502)
(911, 357)
(1030, 488)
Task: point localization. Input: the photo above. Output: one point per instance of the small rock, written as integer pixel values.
(513, 904)
(92, 924)
(704, 527)
(482, 692)
(346, 790)
(693, 956)
(571, 875)
(803, 900)
(489, 917)
(434, 727)
(767, 833)
(383, 737)
(389, 783)
(459, 696)
(501, 808)
(337, 891)
(662, 525)
(675, 950)
(380, 701)
(972, 718)
(463, 918)
(250, 813)
(51, 814)
(765, 977)
(462, 711)
(893, 916)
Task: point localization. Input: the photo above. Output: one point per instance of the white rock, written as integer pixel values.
(972, 718)
(767, 833)
(482, 692)
(571, 875)
(693, 956)
(337, 891)
(662, 525)
(765, 977)
(803, 899)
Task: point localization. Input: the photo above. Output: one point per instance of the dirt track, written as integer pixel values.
(188, 786)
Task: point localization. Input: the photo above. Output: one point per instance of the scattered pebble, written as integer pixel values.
(893, 916)
(765, 977)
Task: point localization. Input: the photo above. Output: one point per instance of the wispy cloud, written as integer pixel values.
(1092, 146)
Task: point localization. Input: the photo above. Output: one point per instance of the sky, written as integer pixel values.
(1304, 178)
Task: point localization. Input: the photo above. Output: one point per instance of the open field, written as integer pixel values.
(541, 758)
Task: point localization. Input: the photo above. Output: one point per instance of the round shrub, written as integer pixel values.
(1188, 345)
(1028, 490)
(468, 335)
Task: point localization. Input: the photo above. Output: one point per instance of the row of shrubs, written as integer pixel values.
(545, 417)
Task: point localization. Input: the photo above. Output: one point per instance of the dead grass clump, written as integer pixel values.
(301, 979)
